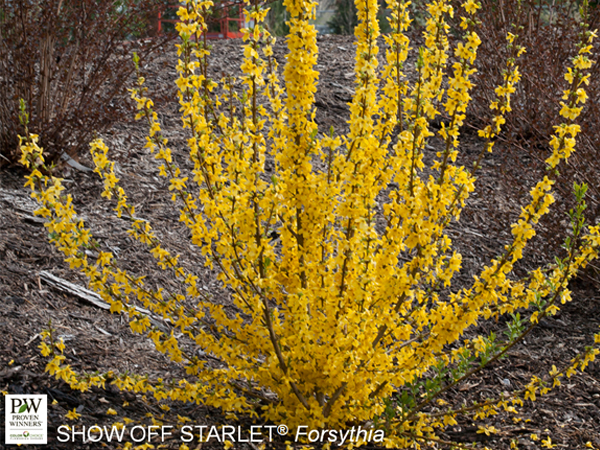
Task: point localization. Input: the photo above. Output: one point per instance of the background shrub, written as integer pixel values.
(276, 20)
(63, 57)
(345, 18)
(548, 30)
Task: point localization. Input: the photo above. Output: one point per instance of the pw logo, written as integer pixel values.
(20, 406)
(26, 419)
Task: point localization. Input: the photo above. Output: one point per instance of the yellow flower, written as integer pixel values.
(548, 443)
(177, 184)
(73, 415)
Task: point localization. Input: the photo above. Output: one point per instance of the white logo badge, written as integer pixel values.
(26, 419)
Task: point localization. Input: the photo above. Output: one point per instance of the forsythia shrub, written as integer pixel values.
(349, 315)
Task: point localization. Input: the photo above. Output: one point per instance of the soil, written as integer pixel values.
(97, 340)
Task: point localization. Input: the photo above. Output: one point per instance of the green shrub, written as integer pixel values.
(345, 18)
(276, 21)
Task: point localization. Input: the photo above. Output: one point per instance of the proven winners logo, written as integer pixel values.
(26, 419)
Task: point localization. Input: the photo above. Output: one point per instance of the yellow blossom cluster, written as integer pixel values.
(333, 248)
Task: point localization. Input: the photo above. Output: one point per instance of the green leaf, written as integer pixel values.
(22, 408)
